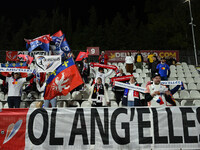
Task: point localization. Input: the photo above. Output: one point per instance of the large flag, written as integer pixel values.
(42, 41)
(82, 55)
(63, 80)
(61, 44)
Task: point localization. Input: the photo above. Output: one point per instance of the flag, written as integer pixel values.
(15, 65)
(26, 58)
(61, 44)
(63, 80)
(82, 55)
(42, 41)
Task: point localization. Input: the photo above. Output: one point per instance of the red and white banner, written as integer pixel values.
(158, 128)
(94, 51)
(13, 55)
(119, 55)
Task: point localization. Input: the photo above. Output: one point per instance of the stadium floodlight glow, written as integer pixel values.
(192, 27)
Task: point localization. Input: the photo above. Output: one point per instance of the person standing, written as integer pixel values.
(132, 97)
(85, 71)
(53, 101)
(129, 60)
(150, 59)
(119, 92)
(163, 69)
(154, 66)
(103, 58)
(15, 84)
(138, 60)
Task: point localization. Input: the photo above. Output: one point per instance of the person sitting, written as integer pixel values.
(98, 97)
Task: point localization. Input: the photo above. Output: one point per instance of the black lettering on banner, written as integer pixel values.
(41, 139)
(143, 124)
(132, 113)
(187, 124)
(158, 139)
(103, 131)
(198, 117)
(79, 115)
(172, 138)
(54, 140)
(125, 125)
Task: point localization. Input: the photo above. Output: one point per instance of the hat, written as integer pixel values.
(156, 74)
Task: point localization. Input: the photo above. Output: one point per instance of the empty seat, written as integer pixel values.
(140, 80)
(143, 75)
(180, 75)
(173, 74)
(196, 102)
(1, 105)
(188, 74)
(182, 79)
(111, 95)
(85, 104)
(187, 103)
(136, 75)
(189, 79)
(192, 86)
(195, 94)
(198, 86)
(176, 95)
(5, 105)
(184, 95)
(197, 79)
(76, 95)
(113, 104)
(138, 70)
(2, 97)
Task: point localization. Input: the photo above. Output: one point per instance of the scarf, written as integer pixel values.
(93, 64)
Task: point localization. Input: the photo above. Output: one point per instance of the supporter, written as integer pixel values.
(131, 97)
(129, 60)
(100, 73)
(154, 66)
(138, 60)
(41, 89)
(119, 92)
(98, 95)
(150, 59)
(171, 60)
(163, 69)
(103, 58)
(156, 93)
(85, 71)
(15, 84)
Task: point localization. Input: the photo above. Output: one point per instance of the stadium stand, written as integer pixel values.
(183, 72)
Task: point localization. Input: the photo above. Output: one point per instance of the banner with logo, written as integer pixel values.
(47, 63)
(119, 55)
(158, 128)
(13, 55)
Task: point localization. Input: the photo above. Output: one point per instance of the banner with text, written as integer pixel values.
(119, 55)
(13, 55)
(101, 128)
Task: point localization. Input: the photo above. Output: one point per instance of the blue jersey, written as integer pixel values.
(162, 69)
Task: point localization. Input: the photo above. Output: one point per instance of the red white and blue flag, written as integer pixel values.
(63, 80)
(42, 41)
(82, 55)
(61, 44)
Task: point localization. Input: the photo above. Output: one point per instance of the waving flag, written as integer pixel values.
(42, 41)
(61, 44)
(26, 58)
(63, 80)
(82, 55)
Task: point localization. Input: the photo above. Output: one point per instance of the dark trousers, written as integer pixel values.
(14, 101)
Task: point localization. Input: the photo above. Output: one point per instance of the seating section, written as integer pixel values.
(188, 74)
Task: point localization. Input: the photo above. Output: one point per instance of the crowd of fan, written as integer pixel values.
(97, 90)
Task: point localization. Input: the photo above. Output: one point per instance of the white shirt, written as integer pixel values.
(129, 60)
(131, 94)
(15, 87)
(103, 76)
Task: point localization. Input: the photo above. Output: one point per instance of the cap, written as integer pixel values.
(156, 74)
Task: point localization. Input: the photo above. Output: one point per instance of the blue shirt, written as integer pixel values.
(162, 69)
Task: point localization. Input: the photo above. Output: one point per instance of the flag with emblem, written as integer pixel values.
(63, 80)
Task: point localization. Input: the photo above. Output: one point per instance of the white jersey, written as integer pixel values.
(15, 86)
(162, 89)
